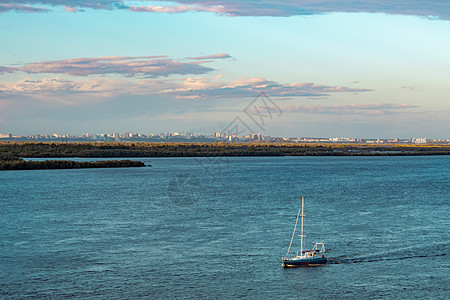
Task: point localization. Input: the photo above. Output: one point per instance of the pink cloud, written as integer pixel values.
(22, 8)
(71, 9)
(150, 66)
(206, 88)
(49, 86)
(178, 9)
(214, 56)
(349, 109)
(188, 88)
(30, 5)
(283, 8)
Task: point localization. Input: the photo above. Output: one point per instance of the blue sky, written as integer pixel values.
(335, 68)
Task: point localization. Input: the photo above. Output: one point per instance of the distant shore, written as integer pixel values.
(12, 163)
(148, 149)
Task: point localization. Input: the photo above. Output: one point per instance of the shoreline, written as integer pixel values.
(16, 150)
(20, 164)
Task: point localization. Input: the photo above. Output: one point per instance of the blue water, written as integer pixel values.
(217, 228)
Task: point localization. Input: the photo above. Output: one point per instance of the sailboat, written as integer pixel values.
(315, 256)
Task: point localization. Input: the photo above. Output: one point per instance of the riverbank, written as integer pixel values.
(130, 149)
(20, 164)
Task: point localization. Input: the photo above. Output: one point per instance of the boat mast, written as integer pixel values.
(301, 233)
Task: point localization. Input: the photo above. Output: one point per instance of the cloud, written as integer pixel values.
(95, 4)
(214, 56)
(150, 66)
(188, 88)
(21, 8)
(50, 87)
(90, 89)
(72, 9)
(349, 109)
(284, 8)
(205, 88)
(220, 9)
(287, 8)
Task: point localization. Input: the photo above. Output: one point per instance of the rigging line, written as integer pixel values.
(295, 227)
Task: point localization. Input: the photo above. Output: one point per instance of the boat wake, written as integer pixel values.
(398, 254)
(338, 260)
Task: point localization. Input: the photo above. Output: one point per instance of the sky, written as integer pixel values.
(341, 68)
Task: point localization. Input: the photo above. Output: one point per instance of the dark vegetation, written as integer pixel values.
(129, 149)
(10, 162)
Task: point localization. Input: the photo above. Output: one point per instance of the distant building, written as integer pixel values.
(419, 140)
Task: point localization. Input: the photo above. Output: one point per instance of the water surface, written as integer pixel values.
(217, 227)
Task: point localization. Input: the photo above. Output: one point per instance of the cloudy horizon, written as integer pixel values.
(335, 68)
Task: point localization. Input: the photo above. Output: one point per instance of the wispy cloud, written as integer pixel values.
(214, 56)
(189, 88)
(149, 66)
(285, 8)
(5, 7)
(72, 9)
(51, 87)
(94, 4)
(436, 8)
(174, 9)
(349, 109)
(204, 88)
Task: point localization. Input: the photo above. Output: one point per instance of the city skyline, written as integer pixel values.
(341, 68)
(184, 136)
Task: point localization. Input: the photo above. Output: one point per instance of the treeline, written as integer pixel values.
(10, 163)
(130, 149)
